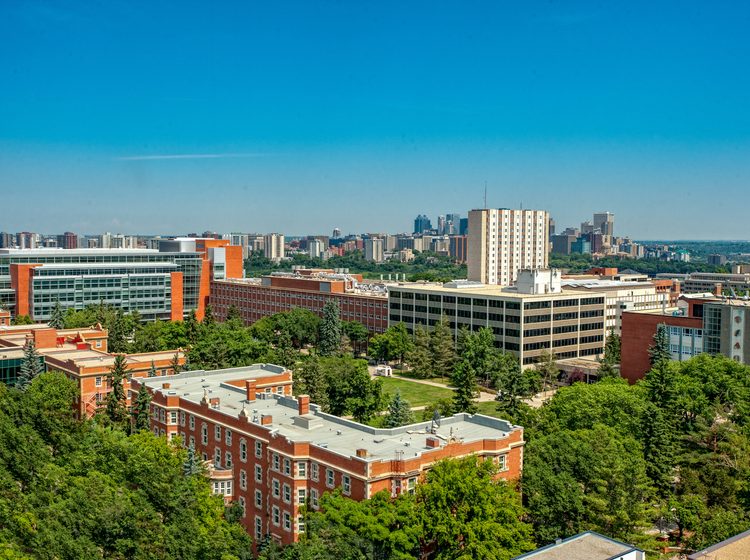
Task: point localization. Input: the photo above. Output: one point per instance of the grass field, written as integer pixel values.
(489, 408)
(417, 394)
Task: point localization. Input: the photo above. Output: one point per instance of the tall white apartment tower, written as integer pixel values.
(502, 242)
(273, 246)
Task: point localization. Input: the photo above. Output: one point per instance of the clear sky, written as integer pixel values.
(171, 117)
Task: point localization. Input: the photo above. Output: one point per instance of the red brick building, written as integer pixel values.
(81, 354)
(638, 330)
(256, 298)
(272, 453)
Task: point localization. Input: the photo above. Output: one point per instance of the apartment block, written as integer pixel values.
(374, 250)
(311, 289)
(82, 355)
(273, 454)
(273, 246)
(502, 242)
(531, 318)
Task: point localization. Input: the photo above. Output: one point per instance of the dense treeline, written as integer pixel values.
(581, 263)
(72, 490)
(425, 266)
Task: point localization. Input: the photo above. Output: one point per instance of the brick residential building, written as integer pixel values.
(272, 453)
(310, 289)
(81, 354)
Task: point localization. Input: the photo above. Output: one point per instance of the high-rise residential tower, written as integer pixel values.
(273, 246)
(422, 223)
(502, 242)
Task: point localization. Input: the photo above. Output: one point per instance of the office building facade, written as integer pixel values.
(565, 323)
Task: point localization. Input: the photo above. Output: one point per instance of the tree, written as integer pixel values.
(233, 314)
(465, 513)
(612, 349)
(349, 388)
(399, 412)
(394, 343)
(514, 383)
(357, 334)
(329, 338)
(607, 371)
(22, 320)
(57, 319)
(191, 466)
(141, 410)
(419, 357)
(659, 351)
(464, 380)
(442, 349)
(118, 374)
(175, 365)
(208, 317)
(152, 370)
(285, 352)
(192, 327)
(547, 368)
(311, 380)
(32, 365)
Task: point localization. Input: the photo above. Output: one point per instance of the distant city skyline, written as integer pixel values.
(299, 117)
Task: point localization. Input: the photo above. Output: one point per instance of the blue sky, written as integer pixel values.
(170, 117)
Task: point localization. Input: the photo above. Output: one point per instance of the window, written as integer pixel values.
(275, 515)
(258, 473)
(192, 442)
(228, 459)
(162, 416)
(287, 521)
(173, 417)
(280, 390)
(192, 422)
(204, 434)
(502, 461)
(346, 482)
(330, 478)
(228, 436)
(243, 450)
(276, 488)
(217, 457)
(258, 528)
(243, 480)
(276, 462)
(314, 471)
(411, 485)
(313, 497)
(217, 433)
(287, 493)
(258, 449)
(301, 469)
(259, 499)
(287, 467)
(182, 418)
(98, 382)
(300, 524)
(301, 495)
(242, 505)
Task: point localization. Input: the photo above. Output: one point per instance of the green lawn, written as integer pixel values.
(417, 394)
(490, 409)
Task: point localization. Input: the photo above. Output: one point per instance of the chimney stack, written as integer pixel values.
(250, 389)
(266, 420)
(165, 385)
(303, 402)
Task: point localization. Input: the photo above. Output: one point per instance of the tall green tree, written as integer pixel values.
(233, 313)
(311, 380)
(442, 348)
(175, 365)
(612, 349)
(116, 409)
(514, 383)
(419, 357)
(659, 350)
(141, 409)
(357, 334)
(32, 365)
(465, 381)
(399, 412)
(191, 465)
(22, 320)
(152, 370)
(464, 512)
(57, 318)
(329, 338)
(208, 317)
(192, 327)
(285, 352)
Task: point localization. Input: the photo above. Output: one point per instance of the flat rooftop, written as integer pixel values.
(604, 284)
(88, 358)
(585, 546)
(330, 432)
(477, 289)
